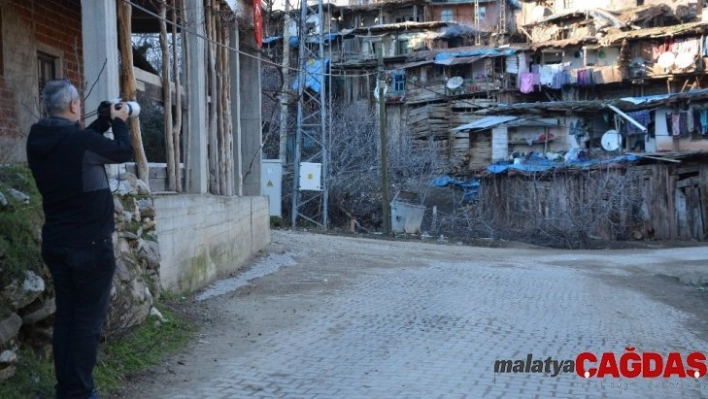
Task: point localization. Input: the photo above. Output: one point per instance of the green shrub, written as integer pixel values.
(20, 225)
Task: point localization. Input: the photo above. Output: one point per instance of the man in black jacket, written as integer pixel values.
(68, 165)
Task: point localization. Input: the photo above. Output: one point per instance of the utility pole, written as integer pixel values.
(284, 89)
(310, 204)
(384, 145)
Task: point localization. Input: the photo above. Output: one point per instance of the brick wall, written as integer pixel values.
(55, 23)
(28, 26)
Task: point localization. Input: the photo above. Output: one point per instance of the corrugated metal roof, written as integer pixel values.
(458, 60)
(414, 64)
(486, 122)
(480, 52)
(661, 97)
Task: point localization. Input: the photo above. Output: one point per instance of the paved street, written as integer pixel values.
(335, 317)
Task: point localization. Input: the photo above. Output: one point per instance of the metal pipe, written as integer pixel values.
(627, 118)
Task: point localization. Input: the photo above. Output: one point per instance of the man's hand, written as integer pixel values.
(119, 110)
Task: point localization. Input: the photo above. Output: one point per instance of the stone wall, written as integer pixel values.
(137, 280)
(27, 301)
(203, 237)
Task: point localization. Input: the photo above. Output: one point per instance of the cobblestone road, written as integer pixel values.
(349, 318)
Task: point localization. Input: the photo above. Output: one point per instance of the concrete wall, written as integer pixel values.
(204, 237)
(665, 142)
(250, 113)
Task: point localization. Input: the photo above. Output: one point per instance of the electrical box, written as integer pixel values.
(272, 184)
(310, 176)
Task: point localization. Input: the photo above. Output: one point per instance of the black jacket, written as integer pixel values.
(68, 166)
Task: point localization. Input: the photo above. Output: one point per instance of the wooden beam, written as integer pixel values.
(128, 86)
(177, 127)
(214, 187)
(167, 100)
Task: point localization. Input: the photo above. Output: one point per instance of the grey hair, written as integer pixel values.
(57, 95)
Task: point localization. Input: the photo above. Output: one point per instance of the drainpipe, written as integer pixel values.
(627, 118)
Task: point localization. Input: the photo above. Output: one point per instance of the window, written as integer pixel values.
(482, 13)
(402, 47)
(551, 57)
(446, 15)
(46, 68)
(399, 82)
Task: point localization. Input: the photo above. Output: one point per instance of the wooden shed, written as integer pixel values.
(663, 198)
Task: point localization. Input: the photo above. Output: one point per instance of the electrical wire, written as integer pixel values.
(274, 64)
(236, 50)
(266, 61)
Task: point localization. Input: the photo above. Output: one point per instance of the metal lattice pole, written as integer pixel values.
(311, 133)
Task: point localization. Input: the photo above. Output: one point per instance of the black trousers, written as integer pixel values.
(82, 279)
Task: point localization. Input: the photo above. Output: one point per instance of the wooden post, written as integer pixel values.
(167, 99)
(219, 104)
(224, 133)
(226, 98)
(213, 99)
(187, 122)
(128, 89)
(177, 127)
(703, 190)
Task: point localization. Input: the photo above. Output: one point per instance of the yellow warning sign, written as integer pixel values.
(269, 184)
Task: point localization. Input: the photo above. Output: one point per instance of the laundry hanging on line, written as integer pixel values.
(642, 117)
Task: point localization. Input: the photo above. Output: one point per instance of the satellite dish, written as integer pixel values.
(666, 60)
(611, 140)
(376, 91)
(685, 60)
(455, 83)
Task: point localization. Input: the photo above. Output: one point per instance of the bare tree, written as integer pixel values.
(355, 167)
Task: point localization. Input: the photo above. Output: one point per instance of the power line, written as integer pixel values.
(205, 38)
(274, 64)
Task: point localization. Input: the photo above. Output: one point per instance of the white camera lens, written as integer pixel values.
(133, 108)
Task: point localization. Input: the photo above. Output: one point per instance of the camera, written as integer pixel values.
(104, 109)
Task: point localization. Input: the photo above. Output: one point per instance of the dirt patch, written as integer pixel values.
(669, 290)
(520, 242)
